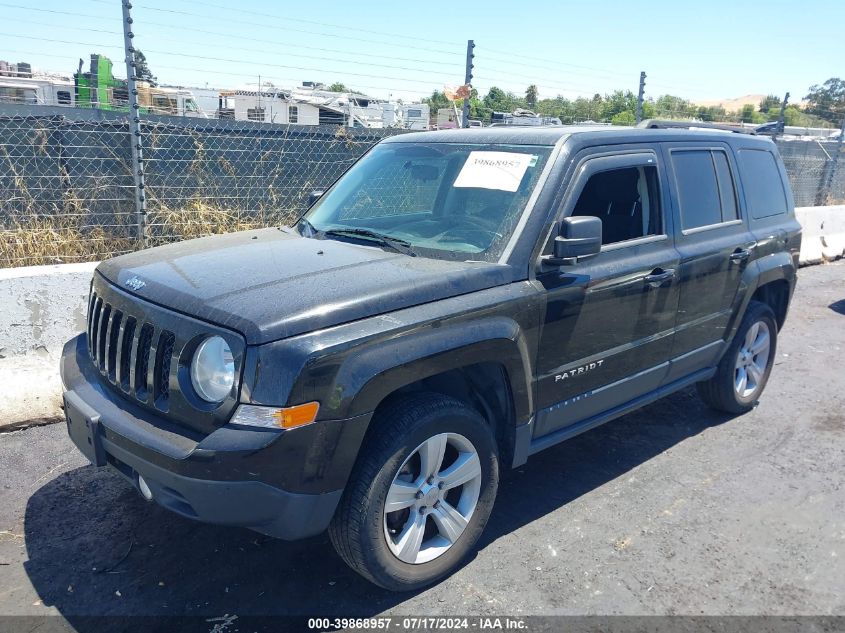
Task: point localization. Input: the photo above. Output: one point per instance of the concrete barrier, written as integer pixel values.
(41, 307)
(823, 238)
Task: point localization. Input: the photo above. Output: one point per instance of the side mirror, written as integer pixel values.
(580, 237)
(314, 196)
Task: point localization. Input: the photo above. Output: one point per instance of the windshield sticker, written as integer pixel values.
(494, 170)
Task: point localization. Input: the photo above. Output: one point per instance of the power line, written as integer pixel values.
(509, 59)
(404, 36)
(56, 11)
(314, 48)
(222, 34)
(334, 35)
(222, 59)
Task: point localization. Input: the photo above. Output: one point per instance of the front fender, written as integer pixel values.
(369, 376)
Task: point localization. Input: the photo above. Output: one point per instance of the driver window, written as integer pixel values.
(626, 200)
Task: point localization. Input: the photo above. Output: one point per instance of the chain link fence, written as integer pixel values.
(67, 192)
(816, 177)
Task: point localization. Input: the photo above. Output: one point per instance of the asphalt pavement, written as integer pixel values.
(672, 510)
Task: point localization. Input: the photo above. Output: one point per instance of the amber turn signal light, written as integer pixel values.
(292, 417)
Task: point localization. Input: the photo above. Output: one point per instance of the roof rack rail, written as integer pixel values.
(658, 124)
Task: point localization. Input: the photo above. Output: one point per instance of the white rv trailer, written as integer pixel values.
(37, 90)
(311, 104)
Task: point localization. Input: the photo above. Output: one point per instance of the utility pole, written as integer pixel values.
(827, 192)
(468, 80)
(135, 137)
(782, 117)
(640, 97)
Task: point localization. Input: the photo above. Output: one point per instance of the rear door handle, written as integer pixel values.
(740, 255)
(658, 276)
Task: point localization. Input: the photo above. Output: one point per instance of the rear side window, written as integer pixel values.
(705, 185)
(763, 187)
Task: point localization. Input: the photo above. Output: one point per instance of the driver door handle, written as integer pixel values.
(658, 276)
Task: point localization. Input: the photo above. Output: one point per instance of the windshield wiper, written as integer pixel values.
(397, 244)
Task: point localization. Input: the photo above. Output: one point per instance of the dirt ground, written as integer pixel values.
(671, 510)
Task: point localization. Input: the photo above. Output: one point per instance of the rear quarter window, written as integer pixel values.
(764, 193)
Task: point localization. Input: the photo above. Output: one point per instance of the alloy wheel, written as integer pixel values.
(432, 498)
(752, 360)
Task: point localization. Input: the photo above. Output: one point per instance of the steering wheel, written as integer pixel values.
(474, 225)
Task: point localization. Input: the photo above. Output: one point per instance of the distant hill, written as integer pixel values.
(735, 104)
(732, 105)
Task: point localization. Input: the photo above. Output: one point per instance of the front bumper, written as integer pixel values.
(285, 484)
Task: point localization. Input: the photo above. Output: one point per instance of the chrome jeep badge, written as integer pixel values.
(134, 283)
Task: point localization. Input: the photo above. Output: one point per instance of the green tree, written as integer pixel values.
(584, 109)
(497, 100)
(531, 96)
(436, 101)
(624, 118)
(711, 113)
(617, 102)
(747, 113)
(672, 107)
(771, 102)
(338, 87)
(142, 69)
(792, 115)
(827, 101)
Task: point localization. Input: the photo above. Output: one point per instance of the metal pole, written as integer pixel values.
(468, 80)
(782, 117)
(834, 162)
(135, 137)
(640, 97)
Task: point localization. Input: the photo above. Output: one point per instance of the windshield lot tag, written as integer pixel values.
(494, 170)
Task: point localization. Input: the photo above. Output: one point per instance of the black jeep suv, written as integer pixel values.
(456, 302)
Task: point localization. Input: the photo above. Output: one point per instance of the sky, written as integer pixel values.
(404, 50)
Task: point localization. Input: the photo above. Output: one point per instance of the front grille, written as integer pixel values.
(164, 354)
(142, 352)
(117, 346)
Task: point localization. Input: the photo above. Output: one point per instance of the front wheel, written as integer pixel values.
(744, 370)
(420, 495)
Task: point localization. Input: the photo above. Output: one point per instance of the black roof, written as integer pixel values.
(587, 134)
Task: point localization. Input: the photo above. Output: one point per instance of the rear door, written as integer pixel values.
(715, 246)
(607, 332)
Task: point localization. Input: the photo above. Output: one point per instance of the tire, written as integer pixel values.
(408, 431)
(725, 391)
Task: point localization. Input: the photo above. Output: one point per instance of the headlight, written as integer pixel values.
(213, 369)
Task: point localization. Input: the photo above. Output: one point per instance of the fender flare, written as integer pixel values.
(774, 267)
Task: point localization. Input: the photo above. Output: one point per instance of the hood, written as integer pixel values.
(269, 284)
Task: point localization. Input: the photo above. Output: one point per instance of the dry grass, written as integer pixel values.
(196, 219)
(37, 240)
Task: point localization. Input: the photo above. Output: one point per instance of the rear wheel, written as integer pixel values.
(744, 370)
(420, 495)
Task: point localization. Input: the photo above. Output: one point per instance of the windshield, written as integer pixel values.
(445, 200)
